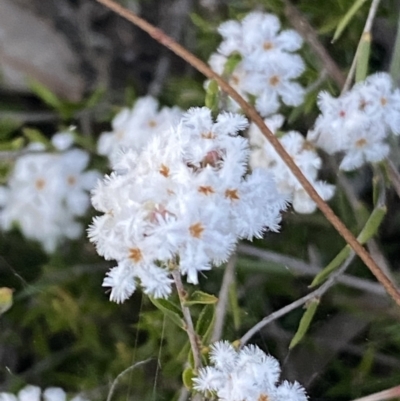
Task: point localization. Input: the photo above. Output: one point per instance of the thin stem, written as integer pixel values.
(301, 24)
(123, 373)
(302, 268)
(395, 61)
(299, 302)
(223, 296)
(389, 394)
(366, 32)
(188, 319)
(394, 176)
(251, 112)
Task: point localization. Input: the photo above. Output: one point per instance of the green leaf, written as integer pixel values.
(347, 18)
(187, 377)
(45, 94)
(370, 229)
(205, 322)
(15, 144)
(363, 57)
(231, 63)
(305, 322)
(170, 310)
(34, 135)
(211, 100)
(331, 267)
(6, 299)
(200, 297)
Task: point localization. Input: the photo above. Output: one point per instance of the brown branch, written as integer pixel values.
(251, 112)
(300, 23)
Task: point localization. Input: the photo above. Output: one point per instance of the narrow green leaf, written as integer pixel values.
(45, 94)
(363, 57)
(347, 18)
(187, 377)
(231, 63)
(305, 322)
(371, 227)
(331, 267)
(34, 135)
(170, 310)
(205, 322)
(200, 297)
(211, 100)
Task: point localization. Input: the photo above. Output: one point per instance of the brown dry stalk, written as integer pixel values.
(253, 115)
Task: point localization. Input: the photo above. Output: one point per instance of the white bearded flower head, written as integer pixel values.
(269, 65)
(303, 153)
(358, 123)
(184, 200)
(45, 193)
(133, 128)
(34, 393)
(247, 374)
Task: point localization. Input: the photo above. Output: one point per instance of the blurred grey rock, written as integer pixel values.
(31, 48)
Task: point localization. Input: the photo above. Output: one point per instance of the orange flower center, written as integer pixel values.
(40, 184)
(361, 142)
(71, 180)
(268, 45)
(196, 230)
(232, 194)
(164, 170)
(274, 80)
(206, 190)
(135, 254)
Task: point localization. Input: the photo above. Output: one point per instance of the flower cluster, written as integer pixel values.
(47, 191)
(304, 155)
(245, 375)
(268, 63)
(34, 393)
(133, 128)
(182, 202)
(358, 122)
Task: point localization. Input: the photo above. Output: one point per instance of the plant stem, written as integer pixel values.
(366, 33)
(299, 302)
(389, 394)
(301, 24)
(223, 299)
(188, 319)
(251, 112)
(123, 373)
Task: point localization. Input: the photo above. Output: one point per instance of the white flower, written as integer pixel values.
(358, 122)
(303, 154)
(184, 197)
(54, 394)
(133, 128)
(34, 393)
(45, 193)
(268, 65)
(248, 374)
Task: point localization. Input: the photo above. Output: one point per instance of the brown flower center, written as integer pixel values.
(232, 194)
(196, 230)
(206, 190)
(135, 254)
(164, 170)
(40, 184)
